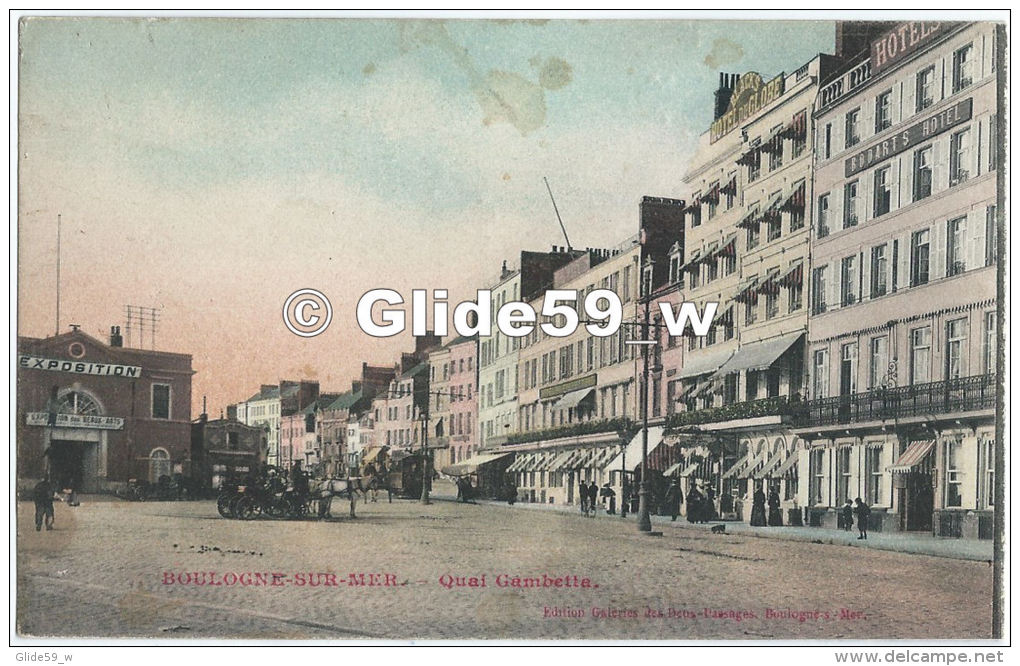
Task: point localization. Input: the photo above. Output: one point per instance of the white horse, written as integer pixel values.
(326, 489)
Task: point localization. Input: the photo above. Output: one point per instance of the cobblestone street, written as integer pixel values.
(130, 569)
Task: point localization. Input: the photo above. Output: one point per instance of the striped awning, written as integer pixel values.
(690, 469)
(913, 456)
(559, 461)
(739, 465)
(787, 466)
(521, 462)
(773, 462)
(669, 470)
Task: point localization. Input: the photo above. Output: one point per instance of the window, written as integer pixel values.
(963, 68)
(989, 344)
(850, 212)
(922, 173)
(873, 475)
(920, 355)
(842, 473)
(818, 287)
(776, 149)
(796, 295)
(956, 232)
(883, 111)
(991, 231)
(920, 245)
(695, 211)
(988, 444)
(161, 401)
(750, 310)
(993, 142)
(956, 348)
(713, 268)
(848, 281)
(883, 193)
(954, 475)
(827, 147)
(820, 374)
(754, 168)
(959, 157)
(925, 90)
(823, 215)
(853, 134)
(771, 303)
(713, 201)
(754, 232)
(848, 369)
(879, 270)
(879, 362)
(817, 480)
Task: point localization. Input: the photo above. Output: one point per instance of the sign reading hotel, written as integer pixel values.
(904, 39)
(749, 96)
(78, 367)
(75, 421)
(912, 136)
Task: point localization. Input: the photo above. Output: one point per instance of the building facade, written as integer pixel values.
(222, 449)
(92, 415)
(901, 345)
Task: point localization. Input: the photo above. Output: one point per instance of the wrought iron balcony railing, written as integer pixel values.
(964, 394)
(775, 406)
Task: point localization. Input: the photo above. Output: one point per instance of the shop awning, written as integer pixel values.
(693, 260)
(633, 449)
(768, 283)
(471, 465)
(704, 363)
(793, 275)
(737, 466)
(373, 454)
(669, 470)
(787, 465)
(759, 355)
(747, 289)
(770, 465)
(913, 456)
(559, 461)
(520, 462)
(574, 398)
(690, 469)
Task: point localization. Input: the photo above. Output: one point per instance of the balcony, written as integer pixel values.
(845, 84)
(966, 394)
(775, 406)
(571, 430)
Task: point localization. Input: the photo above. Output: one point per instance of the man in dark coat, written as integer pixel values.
(848, 515)
(582, 492)
(42, 495)
(593, 497)
(863, 512)
(674, 497)
(694, 501)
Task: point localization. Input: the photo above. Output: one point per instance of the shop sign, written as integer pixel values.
(78, 367)
(566, 387)
(912, 136)
(750, 95)
(74, 421)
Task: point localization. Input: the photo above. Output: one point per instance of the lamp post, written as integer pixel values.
(644, 519)
(426, 474)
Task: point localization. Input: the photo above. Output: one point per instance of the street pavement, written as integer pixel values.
(123, 569)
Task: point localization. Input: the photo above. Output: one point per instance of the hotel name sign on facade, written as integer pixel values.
(749, 96)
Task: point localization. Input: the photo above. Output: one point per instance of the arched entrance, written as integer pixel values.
(76, 457)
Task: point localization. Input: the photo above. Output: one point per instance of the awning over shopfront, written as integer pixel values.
(913, 456)
(633, 450)
(522, 461)
(759, 355)
(737, 466)
(670, 470)
(766, 472)
(702, 364)
(787, 465)
(471, 465)
(574, 398)
(373, 454)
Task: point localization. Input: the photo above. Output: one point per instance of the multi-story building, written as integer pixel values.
(747, 240)
(334, 420)
(225, 448)
(273, 401)
(454, 408)
(93, 415)
(397, 409)
(498, 353)
(901, 343)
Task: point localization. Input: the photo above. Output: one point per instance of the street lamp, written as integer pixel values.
(425, 457)
(644, 519)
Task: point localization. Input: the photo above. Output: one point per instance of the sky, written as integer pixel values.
(211, 167)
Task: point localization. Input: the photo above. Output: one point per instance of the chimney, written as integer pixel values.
(116, 340)
(725, 92)
(232, 412)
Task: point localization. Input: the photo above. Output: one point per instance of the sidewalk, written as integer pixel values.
(920, 544)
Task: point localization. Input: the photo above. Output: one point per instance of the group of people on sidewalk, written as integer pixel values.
(590, 495)
(775, 512)
(863, 513)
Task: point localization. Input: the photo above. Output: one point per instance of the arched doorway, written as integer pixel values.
(159, 464)
(76, 456)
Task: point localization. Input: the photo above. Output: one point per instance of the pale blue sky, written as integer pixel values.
(212, 167)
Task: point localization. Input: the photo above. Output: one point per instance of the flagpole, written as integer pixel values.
(57, 323)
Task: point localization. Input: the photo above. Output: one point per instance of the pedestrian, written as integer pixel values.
(694, 500)
(673, 499)
(775, 513)
(863, 512)
(708, 512)
(582, 491)
(758, 508)
(848, 515)
(511, 491)
(609, 498)
(42, 495)
(593, 497)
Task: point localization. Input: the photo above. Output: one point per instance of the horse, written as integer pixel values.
(324, 490)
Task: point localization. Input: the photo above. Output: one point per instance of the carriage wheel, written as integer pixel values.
(278, 508)
(299, 509)
(246, 509)
(223, 505)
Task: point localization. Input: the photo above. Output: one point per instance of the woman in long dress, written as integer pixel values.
(775, 512)
(758, 508)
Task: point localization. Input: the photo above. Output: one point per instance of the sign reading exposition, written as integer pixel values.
(915, 134)
(74, 421)
(749, 96)
(78, 367)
